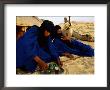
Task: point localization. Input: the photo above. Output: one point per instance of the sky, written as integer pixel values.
(60, 19)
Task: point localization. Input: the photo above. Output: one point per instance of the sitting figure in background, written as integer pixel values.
(87, 37)
(70, 46)
(35, 48)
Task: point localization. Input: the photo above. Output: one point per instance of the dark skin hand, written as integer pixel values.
(59, 63)
(65, 38)
(67, 54)
(41, 63)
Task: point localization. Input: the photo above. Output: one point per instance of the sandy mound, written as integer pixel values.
(28, 21)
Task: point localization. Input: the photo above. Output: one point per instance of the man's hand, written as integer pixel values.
(41, 63)
(67, 55)
(65, 38)
(59, 63)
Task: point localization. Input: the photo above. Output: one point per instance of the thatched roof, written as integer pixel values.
(28, 21)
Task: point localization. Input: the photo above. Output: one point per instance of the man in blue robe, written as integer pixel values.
(70, 46)
(35, 48)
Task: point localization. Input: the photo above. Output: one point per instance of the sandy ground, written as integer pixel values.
(77, 64)
(80, 65)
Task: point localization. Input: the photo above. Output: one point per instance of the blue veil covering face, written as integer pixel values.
(30, 45)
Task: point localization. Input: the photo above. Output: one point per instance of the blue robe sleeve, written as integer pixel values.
(30, 42)
(79, 48)
(85, 49)
(62, 48)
